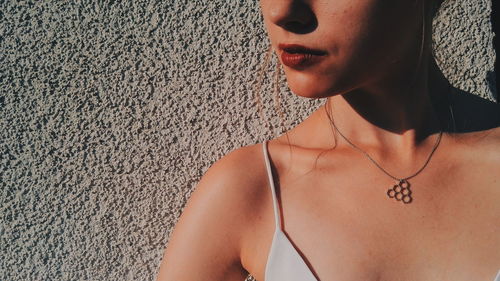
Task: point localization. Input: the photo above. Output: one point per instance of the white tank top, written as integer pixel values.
(284, 261)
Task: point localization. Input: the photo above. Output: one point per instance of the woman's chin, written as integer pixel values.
(311, 88)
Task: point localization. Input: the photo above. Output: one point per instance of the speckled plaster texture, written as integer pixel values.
(111, 111)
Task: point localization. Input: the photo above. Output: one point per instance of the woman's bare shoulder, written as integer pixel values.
(493, 137)
(480, 151)
(237, 179)
(491, 150)
(483, 144)
(208, 236)
(235, 182)
(243, 168)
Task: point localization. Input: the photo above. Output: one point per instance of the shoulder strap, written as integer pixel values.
(271, 184)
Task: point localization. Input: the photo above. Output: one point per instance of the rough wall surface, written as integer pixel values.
(111, 112)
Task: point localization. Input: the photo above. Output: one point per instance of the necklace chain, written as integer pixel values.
(402, 182)
(382, 169)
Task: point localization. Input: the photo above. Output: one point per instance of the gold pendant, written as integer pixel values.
(401, 191)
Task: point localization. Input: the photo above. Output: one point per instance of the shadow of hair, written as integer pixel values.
(461, 111)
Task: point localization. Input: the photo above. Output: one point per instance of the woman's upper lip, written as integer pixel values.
(296, 48)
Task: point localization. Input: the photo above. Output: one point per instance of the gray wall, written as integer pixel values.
(110, 114)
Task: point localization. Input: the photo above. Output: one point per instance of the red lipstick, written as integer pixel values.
(297, 56)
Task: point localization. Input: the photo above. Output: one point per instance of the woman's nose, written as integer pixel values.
(292, 15)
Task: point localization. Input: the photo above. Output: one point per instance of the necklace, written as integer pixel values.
(401, 189)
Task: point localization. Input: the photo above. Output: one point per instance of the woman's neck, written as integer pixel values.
(388, 117)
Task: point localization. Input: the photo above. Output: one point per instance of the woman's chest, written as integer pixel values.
(445, 234)
(400, 250)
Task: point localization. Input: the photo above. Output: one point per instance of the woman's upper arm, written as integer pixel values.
(205, 243)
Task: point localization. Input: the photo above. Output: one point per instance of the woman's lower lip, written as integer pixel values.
(299, 60)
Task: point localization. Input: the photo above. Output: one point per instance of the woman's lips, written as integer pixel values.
(297, 56)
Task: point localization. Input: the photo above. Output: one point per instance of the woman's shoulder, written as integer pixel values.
(480, 150)
(243, 164)
(240, 176)
(217, 217)
(490, 148)
(492, 138)
(237, 178)
(484, 143)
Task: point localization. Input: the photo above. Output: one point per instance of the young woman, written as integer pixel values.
(395, 177)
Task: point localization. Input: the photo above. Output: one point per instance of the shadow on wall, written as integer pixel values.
(492, 85)
(462, 111)
(472, 113)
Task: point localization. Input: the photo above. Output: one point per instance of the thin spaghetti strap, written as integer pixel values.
(271, 184)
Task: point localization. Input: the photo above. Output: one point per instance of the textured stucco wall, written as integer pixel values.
(111, 112)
